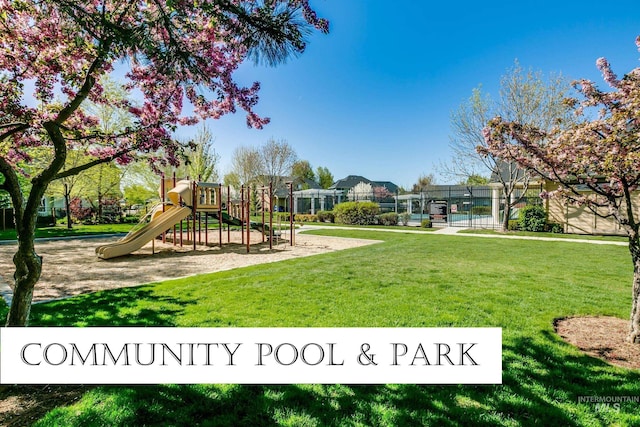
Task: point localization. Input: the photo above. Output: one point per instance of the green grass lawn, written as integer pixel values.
(546, 234)
(408, 280)
(77, 230)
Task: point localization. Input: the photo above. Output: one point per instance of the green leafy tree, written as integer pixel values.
(302, 171)
(325, 178)
(233, 181)
(424, 183)
(475, 179)
(5, 200)
(100, 186)
(140, 175)
(199, 158)
(111, 118)
(137, 194)
(202, 159)
(402, 190)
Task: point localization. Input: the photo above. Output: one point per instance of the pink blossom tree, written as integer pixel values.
(595, 162)
(177, 52)
(381, 193)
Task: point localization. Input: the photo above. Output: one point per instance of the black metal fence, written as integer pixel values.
(304, 204)
(465, 206)
(445, 205)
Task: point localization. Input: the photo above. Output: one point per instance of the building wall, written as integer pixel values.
(581, 220)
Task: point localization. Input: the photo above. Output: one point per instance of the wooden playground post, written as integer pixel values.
(242, 213)
(194, 198)
(200, 213)
(271, 232)
(162, 200)
(181, 227)
(219, 196)
(248, 219)
(262, 208)
(181, 231)
(291, 228)
(174, 226)
(228, 213)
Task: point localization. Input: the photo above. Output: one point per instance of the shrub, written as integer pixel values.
(513, 225)
(305, 218)
(390, 218)
(426, 223)
(532, 218)
(357, 213)
(78, 212)
(281, 216)
(45, 221)
(404, 218)
(326, 216)
(555, 227)
(481, 210)
(131, 219)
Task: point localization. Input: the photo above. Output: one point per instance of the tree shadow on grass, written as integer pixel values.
(542, 382)
(136, 306)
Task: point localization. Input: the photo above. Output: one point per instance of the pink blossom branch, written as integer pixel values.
(106, 159)
(84, 91)
(19, 127)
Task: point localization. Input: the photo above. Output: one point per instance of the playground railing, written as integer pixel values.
(146, 218)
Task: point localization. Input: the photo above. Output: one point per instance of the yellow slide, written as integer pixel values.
(160, 222)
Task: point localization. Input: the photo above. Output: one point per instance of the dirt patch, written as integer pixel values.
(601, 337)
(24, 405)
(70, 267)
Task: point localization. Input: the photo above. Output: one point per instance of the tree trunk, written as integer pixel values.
(99, 210)
(634, 328)
(28, 269)
(28, 263)
(507, 215)
(67, 206)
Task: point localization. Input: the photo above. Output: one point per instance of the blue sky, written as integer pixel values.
(374, 96)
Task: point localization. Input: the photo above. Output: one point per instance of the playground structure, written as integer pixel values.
(184, 213)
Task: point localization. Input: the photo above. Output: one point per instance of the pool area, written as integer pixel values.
(461, 220)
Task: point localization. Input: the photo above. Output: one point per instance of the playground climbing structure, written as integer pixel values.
(184, 213)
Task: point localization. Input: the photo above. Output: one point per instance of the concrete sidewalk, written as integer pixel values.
(448, 230)
(547, 239)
